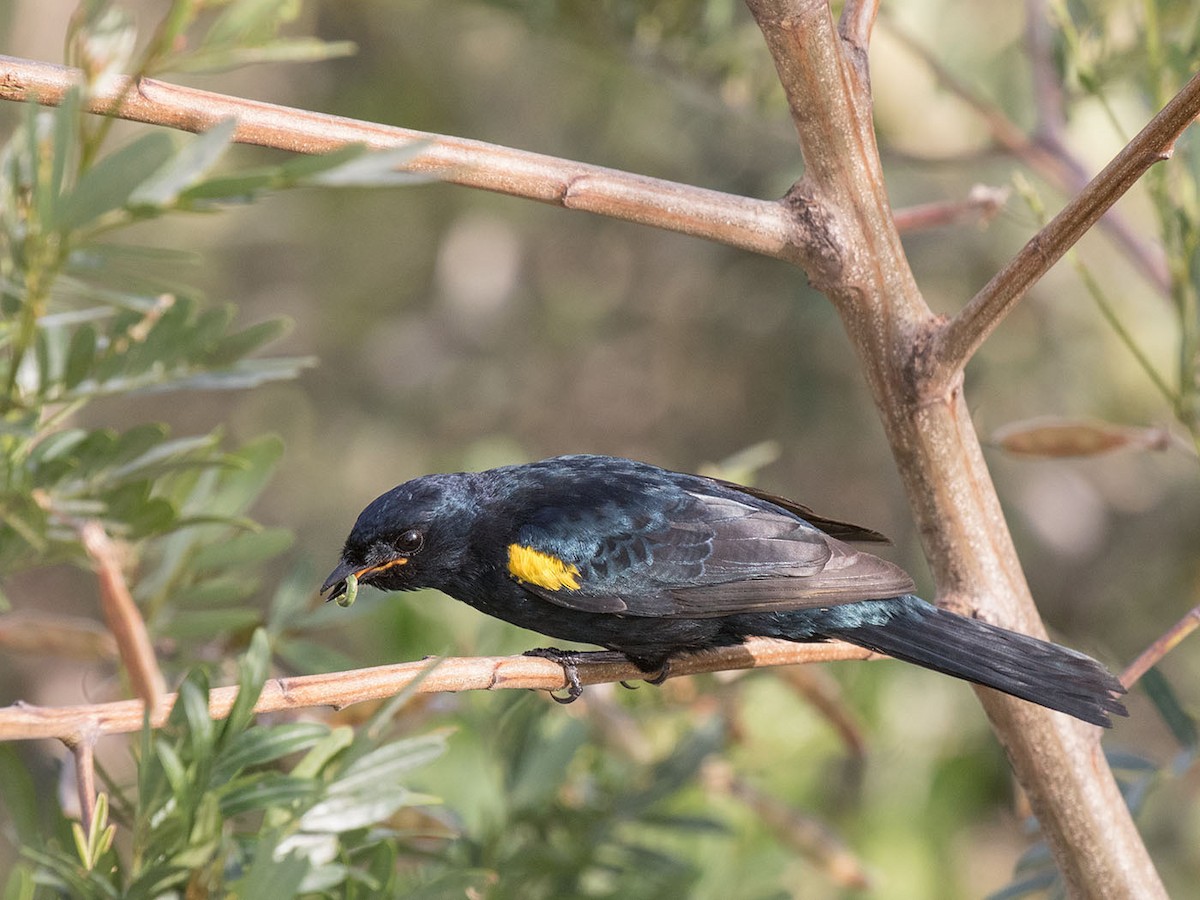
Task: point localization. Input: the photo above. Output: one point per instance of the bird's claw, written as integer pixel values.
(570, 665)
(570, 660)
(658, 678)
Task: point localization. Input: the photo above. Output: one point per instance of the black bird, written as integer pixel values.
(653, 563)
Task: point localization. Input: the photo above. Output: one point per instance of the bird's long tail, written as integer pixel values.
(1034, 670)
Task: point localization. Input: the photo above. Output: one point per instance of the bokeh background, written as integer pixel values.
(458, 330)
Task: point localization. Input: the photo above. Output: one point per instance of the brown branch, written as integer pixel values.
(761, 226)
(983, 202)
(804, 833)
(954, 345)
(1058, 762)
(1164, 644)
(825, 696)
(1048, 98)
(84, 751)
(75, 724)
(51, 635)
(123, 617)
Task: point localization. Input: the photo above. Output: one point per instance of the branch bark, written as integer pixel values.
(760, 226)
(1058, 762)
(954, 345)
(82, 725)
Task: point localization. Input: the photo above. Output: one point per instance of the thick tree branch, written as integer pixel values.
(761, 226)
(954, 345)
(1058, 762)
(81, 724)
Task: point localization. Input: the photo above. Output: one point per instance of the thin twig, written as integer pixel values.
(124, 618)
(983, 202)
(84, 751)
(854, 27)
(1048, 155)
(341, 689)
(761, 226)
(1048, 98)
(824, 694)
(1168, 641)
(801, 831)
(954, 344)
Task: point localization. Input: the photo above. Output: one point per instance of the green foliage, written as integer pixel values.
(261, 810)
(258, 811)
(580, 820)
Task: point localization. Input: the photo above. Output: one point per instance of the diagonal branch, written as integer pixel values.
(760, 226)
(122, 615)
(855, 27)
(958, 515)
(81, 724)
(957, 342)
(1046, 154)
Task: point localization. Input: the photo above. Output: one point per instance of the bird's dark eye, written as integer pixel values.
(410, 541)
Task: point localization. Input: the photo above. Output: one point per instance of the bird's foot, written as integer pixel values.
(570, 661)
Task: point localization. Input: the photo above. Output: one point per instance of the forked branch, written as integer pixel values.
(957, 342)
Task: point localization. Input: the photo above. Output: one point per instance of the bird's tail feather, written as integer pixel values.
(1043, 673)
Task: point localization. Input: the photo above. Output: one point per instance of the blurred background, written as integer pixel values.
(460, 330)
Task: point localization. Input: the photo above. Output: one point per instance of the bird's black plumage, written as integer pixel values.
(652, 563)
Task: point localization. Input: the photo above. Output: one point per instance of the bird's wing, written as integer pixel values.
(697, 553)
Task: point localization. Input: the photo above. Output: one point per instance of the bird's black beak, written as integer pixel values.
(336, 582)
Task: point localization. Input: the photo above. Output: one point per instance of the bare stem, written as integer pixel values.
(1047, 155)
(955, 344)
(1168, 641)
(1058, 762)
(75, 724)
(84, 751)
(761, 226)
(123, 617)
(982, 203)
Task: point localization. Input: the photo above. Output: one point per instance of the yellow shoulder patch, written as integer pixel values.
(542, 569)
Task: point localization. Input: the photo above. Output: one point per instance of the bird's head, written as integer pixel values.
(414, 536)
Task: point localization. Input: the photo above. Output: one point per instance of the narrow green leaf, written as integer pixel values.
(379, 168)
(193, 696)
(319, 756)
(154, 460)
(58, 444)
(172, 768)
(344, 812)
(253, 669)
(265, 791)
(80, 355)
(269, 878)
(1182, 725)
(108, 184)
(387, 763)
(66, 133)
(284, 50)
(265, 744)
(186, 167)
(233, 347)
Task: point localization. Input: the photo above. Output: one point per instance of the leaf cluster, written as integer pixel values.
(226, 807)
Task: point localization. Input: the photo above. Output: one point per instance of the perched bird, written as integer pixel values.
(652, 563)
